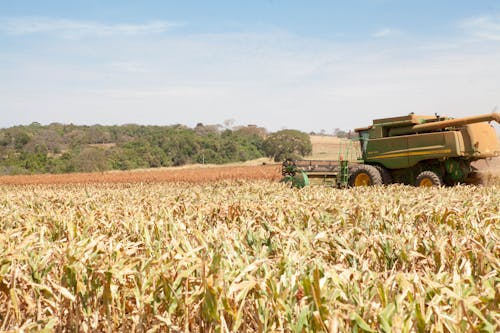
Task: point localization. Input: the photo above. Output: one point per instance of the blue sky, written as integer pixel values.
(310, 65)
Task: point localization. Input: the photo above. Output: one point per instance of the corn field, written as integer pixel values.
(200, 174)
(248, 256)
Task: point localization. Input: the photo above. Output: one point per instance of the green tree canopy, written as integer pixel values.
(57, 148)
(287, 144)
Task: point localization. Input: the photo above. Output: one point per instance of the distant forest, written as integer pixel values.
(60, 148)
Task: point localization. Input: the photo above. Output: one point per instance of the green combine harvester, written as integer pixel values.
(415, 150)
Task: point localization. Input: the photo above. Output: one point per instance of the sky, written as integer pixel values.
(309, 65)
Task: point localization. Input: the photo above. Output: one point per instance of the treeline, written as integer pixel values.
(60, 148)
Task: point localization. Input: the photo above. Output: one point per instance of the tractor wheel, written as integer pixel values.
(385, 174)
(428, 178)
(365, 175)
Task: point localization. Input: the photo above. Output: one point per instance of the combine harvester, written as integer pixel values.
(417, 150)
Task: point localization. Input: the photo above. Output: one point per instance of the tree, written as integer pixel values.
(21, 138)
(68, 148)
(340, 133)
(203, 130)
(90, 159)
(145, 155)
(287, 144)
(99, 134)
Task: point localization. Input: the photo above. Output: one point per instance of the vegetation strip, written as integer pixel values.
(59, 148)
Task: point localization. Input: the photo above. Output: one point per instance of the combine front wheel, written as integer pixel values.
(428, 179)
(365, 175)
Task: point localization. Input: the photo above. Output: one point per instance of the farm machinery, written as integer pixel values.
(412, 149)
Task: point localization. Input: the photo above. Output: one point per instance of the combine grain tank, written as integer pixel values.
(420, 150)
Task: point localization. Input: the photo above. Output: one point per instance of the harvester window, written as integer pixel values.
(363, 141)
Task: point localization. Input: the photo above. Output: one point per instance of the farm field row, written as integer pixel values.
(194, 174)
(253, 256)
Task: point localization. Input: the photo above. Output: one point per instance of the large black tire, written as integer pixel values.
(386, 175)
(428, 178)
(365, 175)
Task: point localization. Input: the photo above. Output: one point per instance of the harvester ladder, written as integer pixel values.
(344, 173)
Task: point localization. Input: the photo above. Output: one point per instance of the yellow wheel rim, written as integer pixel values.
(426, 182)
(362, 180)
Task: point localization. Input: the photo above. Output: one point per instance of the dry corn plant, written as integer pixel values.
(250, 256)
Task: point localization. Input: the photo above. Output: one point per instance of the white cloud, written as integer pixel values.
(75, 28)
(159, 93)
(483, 27)
(272, 79)
(386, 32)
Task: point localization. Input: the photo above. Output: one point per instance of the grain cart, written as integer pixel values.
(412, 149)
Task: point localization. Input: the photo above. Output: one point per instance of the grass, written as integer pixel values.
(249, 256)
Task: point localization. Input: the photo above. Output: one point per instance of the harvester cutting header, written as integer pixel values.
(412, 149)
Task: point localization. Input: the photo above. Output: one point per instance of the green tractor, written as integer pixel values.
(415, 150)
